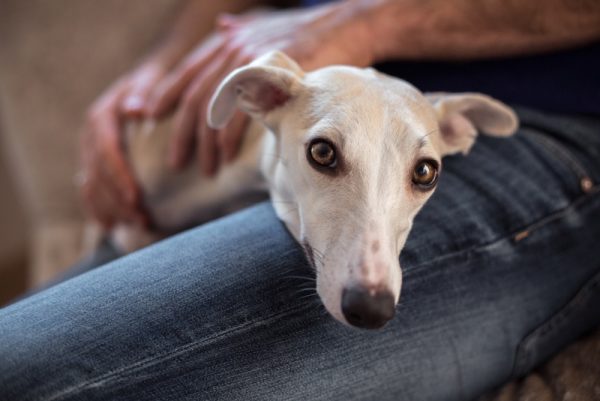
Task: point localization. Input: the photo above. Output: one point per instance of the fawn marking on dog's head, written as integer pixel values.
(358, 154)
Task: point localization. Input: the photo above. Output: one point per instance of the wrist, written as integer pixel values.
(357, 22)
(396, 29)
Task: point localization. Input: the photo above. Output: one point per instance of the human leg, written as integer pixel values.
(500, 271)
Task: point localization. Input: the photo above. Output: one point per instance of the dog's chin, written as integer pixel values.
(331, 300)
(333, 308)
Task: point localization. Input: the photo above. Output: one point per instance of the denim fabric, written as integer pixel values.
(501, 270)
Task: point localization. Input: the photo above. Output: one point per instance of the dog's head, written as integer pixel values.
(358, 153)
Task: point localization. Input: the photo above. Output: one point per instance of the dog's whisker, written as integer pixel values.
(314, 296)
(290, 210)
(311, 289)
(303, 278)
(318, 255)
(312, 293)
(307, 286)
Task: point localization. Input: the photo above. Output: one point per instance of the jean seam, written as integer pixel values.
(144, 363)
(558, 151)
(524, 349)
(194, 345)
(514, 234)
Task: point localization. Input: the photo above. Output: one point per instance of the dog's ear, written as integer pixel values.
(260, 89)
(462, 115)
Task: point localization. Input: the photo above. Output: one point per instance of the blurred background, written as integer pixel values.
(55, 58)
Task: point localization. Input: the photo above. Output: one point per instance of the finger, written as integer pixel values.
(230, 138)
(208, 149)
(190, 119)
(182, 137)
(112, 149)
(110, 192)
(111, 202)
(114, 183)
(170, 90)
(103, 200)
(135, 103)
(92, 151)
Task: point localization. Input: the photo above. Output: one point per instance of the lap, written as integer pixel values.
(500, 259)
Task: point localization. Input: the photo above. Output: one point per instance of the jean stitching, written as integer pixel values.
(558, 151)
(524, 349)
(102, 379)
(534, 225)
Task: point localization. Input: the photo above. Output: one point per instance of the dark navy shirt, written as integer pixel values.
(561, 81)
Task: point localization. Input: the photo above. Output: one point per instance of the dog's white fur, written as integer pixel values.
(357, 220)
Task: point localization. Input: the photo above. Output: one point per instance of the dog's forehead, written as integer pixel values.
(346, 80)
(367, 100)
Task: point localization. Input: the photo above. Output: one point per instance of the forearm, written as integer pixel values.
(466, 29)
(195, 21)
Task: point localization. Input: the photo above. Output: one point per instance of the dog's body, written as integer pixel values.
(349, 157)
(179, 200)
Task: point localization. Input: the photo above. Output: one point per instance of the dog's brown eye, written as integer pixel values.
(322, 153)
(425, 174)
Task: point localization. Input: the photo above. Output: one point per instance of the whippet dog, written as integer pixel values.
(348, 155)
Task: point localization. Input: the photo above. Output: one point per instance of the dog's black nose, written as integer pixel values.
(365, 310)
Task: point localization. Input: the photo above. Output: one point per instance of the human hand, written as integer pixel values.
(315, 37)
(108, 187)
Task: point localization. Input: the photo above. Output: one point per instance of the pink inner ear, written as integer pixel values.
(259, 95)
(458, 133)
(269, 97)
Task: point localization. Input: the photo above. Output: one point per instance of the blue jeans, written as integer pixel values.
(501, 270)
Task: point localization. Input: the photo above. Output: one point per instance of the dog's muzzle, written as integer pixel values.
(367, 310)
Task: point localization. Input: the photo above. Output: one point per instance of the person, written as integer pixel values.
(500, 271)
